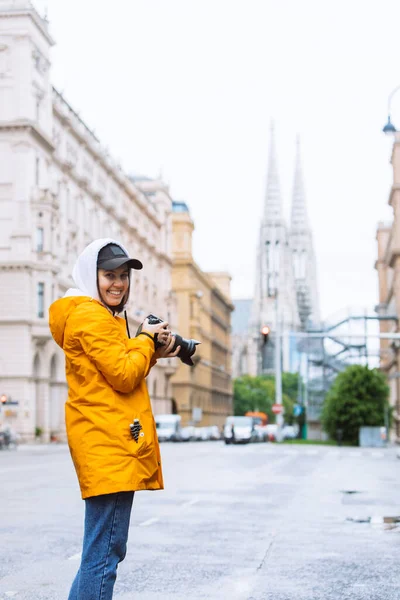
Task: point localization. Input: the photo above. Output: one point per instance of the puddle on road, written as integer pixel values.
(378, 522)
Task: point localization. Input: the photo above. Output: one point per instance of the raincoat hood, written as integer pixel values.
(84, 272)
(84, 275)
(59, 313)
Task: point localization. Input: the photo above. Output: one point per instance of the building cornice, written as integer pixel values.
(122, 220)
(134, 193)
(30, 11)
(27, 266)
(27, 126)
(88, 140)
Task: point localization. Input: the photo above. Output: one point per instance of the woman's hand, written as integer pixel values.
(162, 329)
(166, 351)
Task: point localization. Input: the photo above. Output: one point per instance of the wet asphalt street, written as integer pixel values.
(256, 522)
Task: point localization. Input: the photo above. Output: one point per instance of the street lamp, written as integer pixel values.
(273, 262)
(389, 128)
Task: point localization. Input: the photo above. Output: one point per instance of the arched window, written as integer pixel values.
(36, 366)
(53, 368)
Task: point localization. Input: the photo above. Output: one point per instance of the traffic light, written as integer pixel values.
(265, 330)
(3, 398)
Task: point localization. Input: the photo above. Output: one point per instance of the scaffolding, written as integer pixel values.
(347, 338)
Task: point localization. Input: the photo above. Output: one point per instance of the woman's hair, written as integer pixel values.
(115, 309)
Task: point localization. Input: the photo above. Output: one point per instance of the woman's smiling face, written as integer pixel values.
(113, 285)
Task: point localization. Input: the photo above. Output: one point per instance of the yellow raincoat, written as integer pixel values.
(107, 390)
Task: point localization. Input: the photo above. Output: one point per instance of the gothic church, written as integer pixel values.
(285, 291)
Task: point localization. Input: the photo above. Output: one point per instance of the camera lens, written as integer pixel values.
(188, 348)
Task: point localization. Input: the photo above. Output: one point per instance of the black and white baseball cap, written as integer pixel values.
(113, 256)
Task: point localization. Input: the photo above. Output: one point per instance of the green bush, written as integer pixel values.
(358, 397)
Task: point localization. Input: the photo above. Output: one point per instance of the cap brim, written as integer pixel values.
(115, 263)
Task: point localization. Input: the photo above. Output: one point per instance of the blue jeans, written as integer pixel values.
(104, 545)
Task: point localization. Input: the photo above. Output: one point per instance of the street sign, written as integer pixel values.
(197, 414)
(297, 410)
(277, 409)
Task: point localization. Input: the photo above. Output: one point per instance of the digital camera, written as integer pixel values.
(188, 347)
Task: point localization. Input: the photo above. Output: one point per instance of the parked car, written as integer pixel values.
(201, 434)
(261, 435)
(214, 432)
(271, 432)
(290, 432)
(239, 430)
(168, 428)
(188, 433)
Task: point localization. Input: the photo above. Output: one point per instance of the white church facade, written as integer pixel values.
(286, 291)
(59, 190)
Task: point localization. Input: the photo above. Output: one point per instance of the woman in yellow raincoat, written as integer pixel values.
(109, 420)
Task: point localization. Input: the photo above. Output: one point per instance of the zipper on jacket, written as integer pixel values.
(135, 428)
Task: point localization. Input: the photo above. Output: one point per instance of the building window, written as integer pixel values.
(37, 170)
(39, 239)
(40, 294)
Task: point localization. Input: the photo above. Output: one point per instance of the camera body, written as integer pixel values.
(188, 347)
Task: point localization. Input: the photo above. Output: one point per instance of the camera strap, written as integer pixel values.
(127, 325)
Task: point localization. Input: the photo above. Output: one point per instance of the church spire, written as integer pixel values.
(273, 203)
(299, 217)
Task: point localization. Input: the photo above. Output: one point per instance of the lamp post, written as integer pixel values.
(273, 260)
(278, 362)
(389, 128)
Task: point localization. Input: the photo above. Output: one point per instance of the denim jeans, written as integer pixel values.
(104, 545)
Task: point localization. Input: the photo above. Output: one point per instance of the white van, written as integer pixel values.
(168, 428)
(239, 430)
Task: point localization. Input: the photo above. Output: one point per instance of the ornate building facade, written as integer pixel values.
(203, 393)
(59, 189)
(285, 280)
(388, 268)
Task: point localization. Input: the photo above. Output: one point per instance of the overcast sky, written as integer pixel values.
(188, 88)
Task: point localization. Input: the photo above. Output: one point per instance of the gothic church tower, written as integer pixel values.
(303, 256)
(274, 276)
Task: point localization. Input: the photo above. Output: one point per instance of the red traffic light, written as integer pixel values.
(3, 398)
(265, 333)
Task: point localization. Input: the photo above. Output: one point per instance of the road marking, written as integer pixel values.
(191, 502)
(312, 452)
(377, 454)
(76, 556)
(149, 522)
(10, 594)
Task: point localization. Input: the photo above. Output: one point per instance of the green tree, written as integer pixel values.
(290, 392)
(290, 385)
(358, 397)
(258, 393)
(253, 393)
